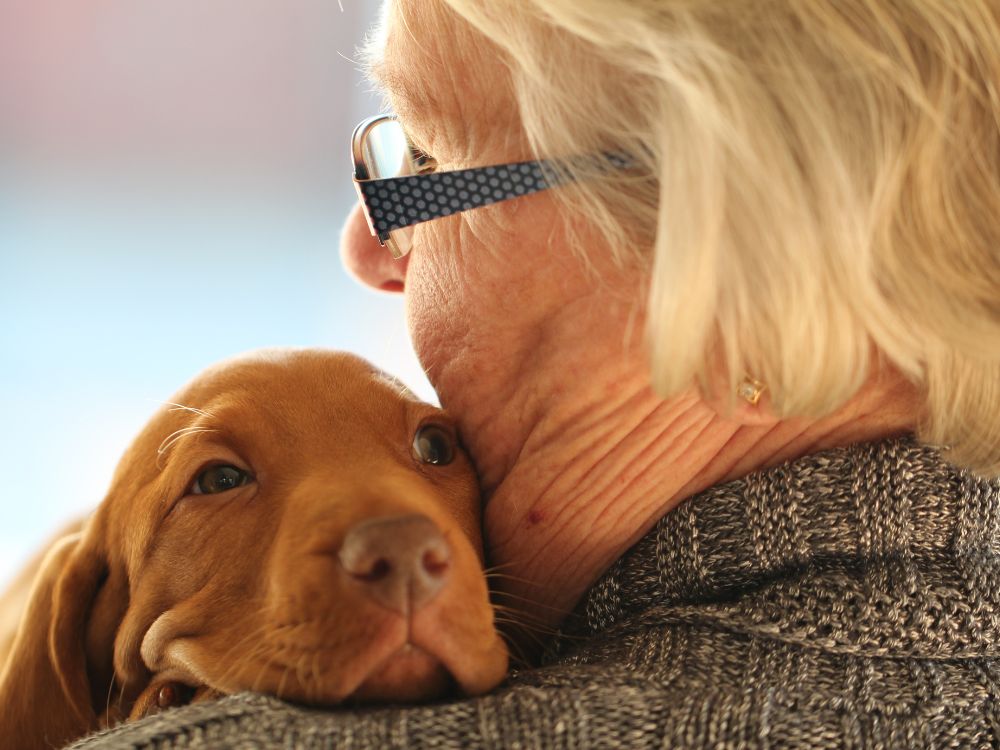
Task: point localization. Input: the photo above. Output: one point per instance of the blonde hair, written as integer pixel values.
(823, 182)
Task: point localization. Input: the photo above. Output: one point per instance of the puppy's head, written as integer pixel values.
(296, 523)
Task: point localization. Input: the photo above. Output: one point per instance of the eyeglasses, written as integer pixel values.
(398, 186)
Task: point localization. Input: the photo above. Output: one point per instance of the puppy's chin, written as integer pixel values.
(449, 646)
(406, 676)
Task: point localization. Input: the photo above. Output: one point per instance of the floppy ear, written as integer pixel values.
(89, 602)
(14, 600)
(47, 690)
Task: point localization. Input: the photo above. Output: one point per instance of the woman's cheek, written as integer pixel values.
(487, 279)
(437, 291)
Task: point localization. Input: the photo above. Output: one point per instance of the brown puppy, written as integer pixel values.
(297, 524)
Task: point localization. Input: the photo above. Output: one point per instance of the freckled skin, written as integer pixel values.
(535, 517)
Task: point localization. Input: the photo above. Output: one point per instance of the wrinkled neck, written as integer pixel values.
(606, 457)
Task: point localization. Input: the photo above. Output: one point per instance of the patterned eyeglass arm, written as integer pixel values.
(397, 202)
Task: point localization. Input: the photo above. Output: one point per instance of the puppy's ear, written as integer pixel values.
(46, 688)
(89, 602)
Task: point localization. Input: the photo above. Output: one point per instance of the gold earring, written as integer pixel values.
(750, 390)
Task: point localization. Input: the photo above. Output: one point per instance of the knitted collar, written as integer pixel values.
(882, 549)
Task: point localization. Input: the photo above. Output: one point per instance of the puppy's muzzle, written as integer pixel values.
(400, 562)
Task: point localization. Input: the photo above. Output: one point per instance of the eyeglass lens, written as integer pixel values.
(386, 152)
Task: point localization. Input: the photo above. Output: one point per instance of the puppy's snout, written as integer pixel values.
(402, 562)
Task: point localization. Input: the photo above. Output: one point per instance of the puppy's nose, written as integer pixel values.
(402, 561)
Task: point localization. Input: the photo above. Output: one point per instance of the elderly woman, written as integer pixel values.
(725, 347)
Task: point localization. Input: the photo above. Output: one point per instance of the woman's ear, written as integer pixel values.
(749, 406)
(746, 402)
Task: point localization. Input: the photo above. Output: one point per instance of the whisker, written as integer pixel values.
(508, 577)
(298, 671)
(522, 630)
(512, 647)
(111, 690)
(264, 667)
(512, 618)
(539, 632)
(173, 437)
(121, 696)
(520, 619)
(529, 601)
(499, 566)
(254, 635)
(192, 409)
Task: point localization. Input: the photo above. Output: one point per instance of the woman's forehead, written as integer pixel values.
(419, 31)
(420, 44)
(440, 74)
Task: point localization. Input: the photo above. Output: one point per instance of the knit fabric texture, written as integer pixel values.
(848, 599)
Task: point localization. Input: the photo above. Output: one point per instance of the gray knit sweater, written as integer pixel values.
(849, 599)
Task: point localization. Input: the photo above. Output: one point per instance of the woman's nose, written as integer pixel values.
(366, 259)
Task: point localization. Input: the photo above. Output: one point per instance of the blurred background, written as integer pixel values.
(173, 178)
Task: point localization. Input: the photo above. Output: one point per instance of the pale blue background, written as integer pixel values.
(173, 178)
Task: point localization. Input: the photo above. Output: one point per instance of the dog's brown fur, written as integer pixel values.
(14, 599)
(243, 589)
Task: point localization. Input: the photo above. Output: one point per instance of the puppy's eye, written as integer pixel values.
(434, 445)
(217, 479)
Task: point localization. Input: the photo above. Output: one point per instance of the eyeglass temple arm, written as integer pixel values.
(398, 202)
